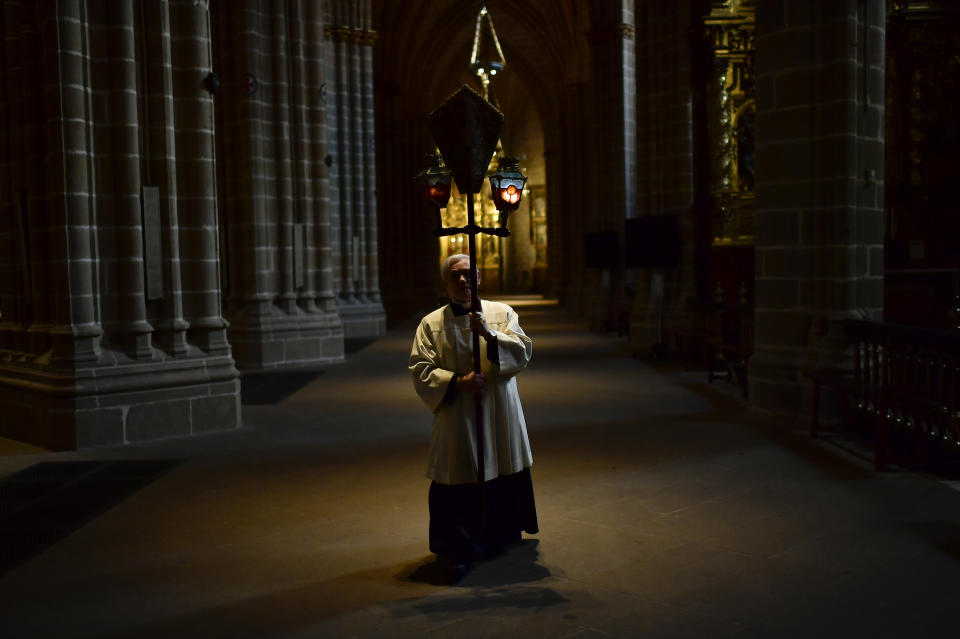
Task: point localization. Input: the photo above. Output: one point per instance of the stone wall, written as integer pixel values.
(111, 328)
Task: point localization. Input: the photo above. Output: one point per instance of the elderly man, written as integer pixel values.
(441, 363)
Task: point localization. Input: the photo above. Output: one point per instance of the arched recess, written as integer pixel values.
(421, 57)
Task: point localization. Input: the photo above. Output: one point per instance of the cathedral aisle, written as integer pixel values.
(667, 509)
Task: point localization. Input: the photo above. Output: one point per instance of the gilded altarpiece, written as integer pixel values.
(922, 138)
(732, 115)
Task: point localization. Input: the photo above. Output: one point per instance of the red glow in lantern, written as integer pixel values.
(434, 183)
(510, 194)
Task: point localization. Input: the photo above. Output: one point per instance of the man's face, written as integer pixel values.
(458, 281)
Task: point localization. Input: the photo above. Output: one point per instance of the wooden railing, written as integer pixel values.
(905, 385)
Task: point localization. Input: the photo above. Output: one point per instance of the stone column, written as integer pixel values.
(819, 221)
(318, 95)
(171, 331)
(666, 160)
(614, 135)
(278, 225)
(128, 326)
(371, 252)
(353, 174)
(358, 212)
(573, 206)
(75, 329)
(196, 176)
(301, 133)
(343, 158)
(282, 161)
(9, 302)
(38, 117)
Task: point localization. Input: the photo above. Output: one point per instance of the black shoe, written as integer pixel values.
(453, 569)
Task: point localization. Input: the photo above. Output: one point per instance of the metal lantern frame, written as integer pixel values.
(506, 187)
(434, 184)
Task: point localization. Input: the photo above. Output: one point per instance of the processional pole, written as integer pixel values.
(466, 128)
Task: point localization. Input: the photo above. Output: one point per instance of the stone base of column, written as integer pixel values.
(64, 409)
(271, 339)
(362, 319)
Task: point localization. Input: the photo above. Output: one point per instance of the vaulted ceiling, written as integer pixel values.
(423, 49)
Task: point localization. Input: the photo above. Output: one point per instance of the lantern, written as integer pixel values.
(434, 182)
(506, 187)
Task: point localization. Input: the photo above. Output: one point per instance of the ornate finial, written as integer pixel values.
(486, 58)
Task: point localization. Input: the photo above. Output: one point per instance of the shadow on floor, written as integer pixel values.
(297, 609)
(273, 388)
(44, 503)
(353, 345)
(517, 564)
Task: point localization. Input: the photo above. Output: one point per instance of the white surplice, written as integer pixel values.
(442, 348)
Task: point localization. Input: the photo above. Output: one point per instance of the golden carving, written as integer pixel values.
(730, 28)
(362, 37)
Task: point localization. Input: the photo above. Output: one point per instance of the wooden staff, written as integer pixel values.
(476, 307)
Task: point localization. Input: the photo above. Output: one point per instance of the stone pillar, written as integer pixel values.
(565, 244)
(371, 266)
(269, 173)
(353, 174)
(613, 128)
(75, 329)
(196, 177)
(318, 93)
(301, 132)
(123, 239)
(9, 214)
(35, 232)
(355, 144)
(283, 161)
(171, 328)
(341, 173)
(666, 161)
(819, 221)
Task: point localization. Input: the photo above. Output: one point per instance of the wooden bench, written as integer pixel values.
(904, 384)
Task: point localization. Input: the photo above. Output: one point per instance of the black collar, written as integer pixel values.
(458, 310)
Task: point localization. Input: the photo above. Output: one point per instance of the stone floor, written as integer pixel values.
(667, 509)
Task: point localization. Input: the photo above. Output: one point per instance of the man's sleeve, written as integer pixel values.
(513, 348)
(431, 382)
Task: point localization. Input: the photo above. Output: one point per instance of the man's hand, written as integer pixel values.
(479, 324)
(471, 383)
